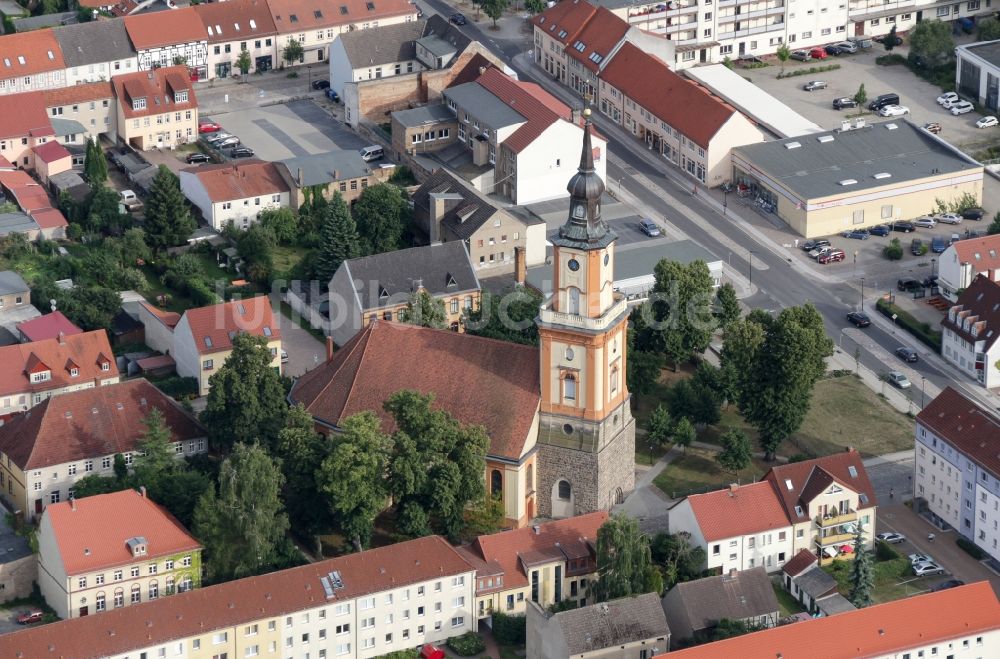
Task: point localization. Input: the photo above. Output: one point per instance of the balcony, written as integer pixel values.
(833, 539)
(679, 27)
(836, 520)
(778, 10)
(745, 32)
(618, 308)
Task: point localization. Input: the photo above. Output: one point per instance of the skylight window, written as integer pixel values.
(6, 61)
(208, 342)
(579, 45)
(370, 5)
(853, 471)
(267, 331)
(863, 497)
(20, 59)
(595, 58)
(343, 9)
(236, 26)
(218, 29)
(253, 24)
(318, 14)
(51, 55)
(788, 483)
(562, 34)
(848, 181)
(799, 511)
(823, 139)
(792, 145)
(293, 18)
(882, 175)
(210, 33)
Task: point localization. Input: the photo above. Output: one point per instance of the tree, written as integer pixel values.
(485, 518)
(862, 577)
(379, 212)
(931, 45)
(736, 454)
(302, 451)
(133, 247)
(256, 248)
(282, 223)
(242, 524)
(624, 563)
(293, 52)
(246, 402)
(102, 211)
(534, 6)
(509, 316)
(243, 61)
(494, 9)
(90, 307)
(684, 433)
(339, 239)
(861, 96)
(424, 310)
(783, 53)
(988, 29)
(727, 306)
(120, 467)
(168, 220)
(180, 60)
(156, 452)
(678, 559)
(660, 426)
(994, 227)
(88, 486)
(729, 628)
(95, 166)
(353, 476)
(889, 42)
(678, 319)
(894, 250)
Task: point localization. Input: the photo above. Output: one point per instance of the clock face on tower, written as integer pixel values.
(573, 265)
(579, 211)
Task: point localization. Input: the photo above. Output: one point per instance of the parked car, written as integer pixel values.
(833, 256)
(933, 127)
(859, 319)
(800, 55)
(883, 100)
(332, 95)
(903, 227)
(893, 111)
(810, 245)
(813, 85)
(898, 380)
(945, 585)
(961, 107)
(974, 213)
(30, 617)
(948, 218)
(241, 152)
(846, 46)
(284, 357)
(197, 157)
(916, 247)
(856, 234)
(938, 244)
(844, 102)
(832, 50)
(208, 127)
(882, 39)
(987, 122)
(218, 137)
(320, 84)
(927, 568)
(881, 230)
(891, 537)
(648, 227)
(907, 355)
(920, 558)
(228, 142)
(458, 19)
(817, 53)
(925, 222)
(820, 251)
(908, 284)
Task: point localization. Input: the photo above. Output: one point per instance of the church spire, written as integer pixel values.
(584, 229)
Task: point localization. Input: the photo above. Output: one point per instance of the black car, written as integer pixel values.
(906, 354)
(321, 84)
(973, 213)
(881, 230)
(845, 102)
(241, 152)
(810, 245)
(917, 247)
(905, 227)
(198, 157)
(833, 50)
(859, 319)
(909, 284)
(945, 585)
(458, 19)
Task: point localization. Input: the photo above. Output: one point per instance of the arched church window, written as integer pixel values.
(496, 483)
(529, 479)
(574, 300)
(569, 387)
(614, 379)
(565, 490)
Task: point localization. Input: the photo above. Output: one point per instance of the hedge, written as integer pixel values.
(886, 552)
(923, 331)
(970, 548)
(810, 71)
(468, 644)
(507, 629)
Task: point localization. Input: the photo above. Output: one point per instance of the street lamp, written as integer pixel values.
(750, 272)
(862, 293)
(933, 267)
(854, 270)
(725, 200)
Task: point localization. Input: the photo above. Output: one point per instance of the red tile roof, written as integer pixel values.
(536, 105)
(87, 350)
(737, 511)
(239, 180)
(966, 426)
(235, 603)
(51, 151)
(157, 87)
(213, 327)
(24, 114)
(564, 20)
(168, 318)
(30, 197)
(597, 40)
(235, 20)
(293, 16)
(48, 218)
(809, 477)
(799, 563)
(49, 326)
(562, 539)
(983, 253)
(91, 533)
(91, 91)
(91, 423)
(679, 102)
(981, 303)
(884, 630)
(164, 28)
(386, 357)
(28, 53)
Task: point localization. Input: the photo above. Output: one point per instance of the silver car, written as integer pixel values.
(898, 380)
(925, 222)
(813, 85)
(926, 568)
(229, 141)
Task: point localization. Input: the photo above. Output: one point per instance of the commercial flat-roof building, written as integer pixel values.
(855, 177)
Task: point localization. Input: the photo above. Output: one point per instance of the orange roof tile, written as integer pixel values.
(540, 108)
(737, 511)
(195, 612)
(48, 218)
(91, 533)
(164, 28)
(799, 563)
(213, 327)
(90, 423)
(798, 483)
(158, 87)
(564, 20)
(85, 349)
(291, 16)
(386, 357)
(982, 253)
(239, 180)
(877, 631)
(965, 425)
(24, 115)
(594, 44)
(28, 53)
(91, 91)
(235, 19)
(168, 318)
(679, 102)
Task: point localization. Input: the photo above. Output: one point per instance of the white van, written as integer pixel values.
(370, 153)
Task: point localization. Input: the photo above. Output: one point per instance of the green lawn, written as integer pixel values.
(646, 454)
(893, 579)
(787, 605)
(287, 257)
(696, 471)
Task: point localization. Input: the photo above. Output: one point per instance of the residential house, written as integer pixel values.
(378, 287)
(625, 628)
(91, 104)
(424, 129)
(970, 331)
(314, 24)
(343, 171)
(45, 221)
(234, 193)
(956, 476)
(96, 51)
(694, 608)
(965, 260)
(201, 339)
(46, 450)
(162, 39)
(50, 326)
(14, 291)
(963, 620)
(30, 61)
(25, 126)
(545, 564)
(355, 606)
(34, 371)
(448, 209)
(386, 52)
(51, 158)
(812, 587)
(156, 108)
(236, 26)
(113, 550)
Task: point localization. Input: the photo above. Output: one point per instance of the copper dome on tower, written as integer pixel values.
(584, 229)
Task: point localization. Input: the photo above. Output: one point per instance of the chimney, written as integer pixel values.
(62, 339)
(732, 489)
(72, 503)
(482, 70)
(329, 348)
(848, 449)
(537, 529)
(142, 491)
(520, 265)
(300, 178)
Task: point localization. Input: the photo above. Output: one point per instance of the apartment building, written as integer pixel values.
(113, 550)
(30, 61)
(41, 453)
(233, 27)
(956, 476)
(234, 192)
(361, 605)
(90, 104)
(156, 108)
(970, 331)
(96, 50)
(164, 39)
(965, 260)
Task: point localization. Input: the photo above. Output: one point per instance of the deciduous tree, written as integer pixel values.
(302, 451)
(737, 453)
(684, 433)
(783, 53)
(678, 559)
(890, 39)
(282, 223)
(424, 310)
(156, 452)
(727, 305)
(243, 62)
(987, 29)
(679, 317)
(509, 316)
(168, 220)
(994, 227)
(494, 9)
(661, 426)
(292, 52)
(380, 212)
(256, 248)
(339, 239)
(624, 562)
(931, 45)
(861, 96)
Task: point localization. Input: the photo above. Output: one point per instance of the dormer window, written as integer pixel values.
(74, 372)
(105, 366)
(181, 96)
(139, 103)
(41, 376)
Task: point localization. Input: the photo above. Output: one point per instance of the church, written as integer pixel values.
(562, 436)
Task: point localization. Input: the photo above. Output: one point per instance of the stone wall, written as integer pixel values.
(17, 576)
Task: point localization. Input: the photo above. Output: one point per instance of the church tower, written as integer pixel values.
(586, 436)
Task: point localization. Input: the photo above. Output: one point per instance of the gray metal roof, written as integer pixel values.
(44, 20)
(746, 594)
(10, 281)
(63, 127)
(896, 151)
(484, 106)
(16, 223)
(815, 582)
(438, 26)
(437, 46)
(612, 624)
(441, 269)
(836, 603)
(382, 45)
(94, 42)
(988, 50)
(425, 114)
(321, 168)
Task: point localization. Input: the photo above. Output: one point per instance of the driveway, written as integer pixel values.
(305, 352)
(8, 619)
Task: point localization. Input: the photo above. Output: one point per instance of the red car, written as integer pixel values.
(817, 53)
(832, 256)
(29, 617)
(208, 127)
